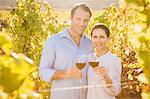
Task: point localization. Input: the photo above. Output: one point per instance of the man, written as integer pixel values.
(58, 58)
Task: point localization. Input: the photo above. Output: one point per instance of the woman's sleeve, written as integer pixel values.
(45, 69)
(114, 72)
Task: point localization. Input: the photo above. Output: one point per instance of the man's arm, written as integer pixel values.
(66, 74)
(45, 69)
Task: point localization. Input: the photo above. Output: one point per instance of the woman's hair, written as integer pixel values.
(100, 26)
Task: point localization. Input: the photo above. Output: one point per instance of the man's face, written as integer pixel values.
(79, 20)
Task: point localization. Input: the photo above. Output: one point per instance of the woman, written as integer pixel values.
(105, 78)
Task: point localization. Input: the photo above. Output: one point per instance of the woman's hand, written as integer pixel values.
(100, 70)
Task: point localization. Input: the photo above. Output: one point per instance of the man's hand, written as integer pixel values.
(67, 74)
(73, 73)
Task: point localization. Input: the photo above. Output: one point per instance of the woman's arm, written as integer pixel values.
(102, 71)
(114, 73)
(112, 77)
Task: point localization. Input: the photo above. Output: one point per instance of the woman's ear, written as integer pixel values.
(108, 39)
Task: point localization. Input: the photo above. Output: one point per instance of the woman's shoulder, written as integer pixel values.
(113, 57)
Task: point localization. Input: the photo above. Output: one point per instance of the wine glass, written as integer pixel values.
(93, 60)
(80, 63)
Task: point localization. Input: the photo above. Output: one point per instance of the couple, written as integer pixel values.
(57, 65)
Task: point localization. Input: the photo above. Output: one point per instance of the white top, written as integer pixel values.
(113, 66)
(59, 53)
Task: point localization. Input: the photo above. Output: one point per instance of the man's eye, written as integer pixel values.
(86, 20)
(78, 18)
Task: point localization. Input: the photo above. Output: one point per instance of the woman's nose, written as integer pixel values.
(98, 40)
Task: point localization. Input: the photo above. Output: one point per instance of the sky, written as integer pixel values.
(65, 4)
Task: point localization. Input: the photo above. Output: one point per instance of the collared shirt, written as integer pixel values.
(113, 66)
(59, 53)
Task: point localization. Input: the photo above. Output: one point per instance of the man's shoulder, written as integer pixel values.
(55, 36)
(88, 39)
(59, 34)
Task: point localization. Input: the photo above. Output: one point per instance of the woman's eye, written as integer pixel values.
(94, 36)
(101, 36)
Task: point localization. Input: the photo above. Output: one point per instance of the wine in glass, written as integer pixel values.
(94, 64)
(80, 65)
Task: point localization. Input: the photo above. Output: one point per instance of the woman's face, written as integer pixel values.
(99, 39)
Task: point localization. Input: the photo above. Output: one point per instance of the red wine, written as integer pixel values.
(80, 65)
(94, 64)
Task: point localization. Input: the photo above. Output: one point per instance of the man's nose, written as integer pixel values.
(82, 23)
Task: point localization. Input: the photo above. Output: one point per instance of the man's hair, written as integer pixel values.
(82, 6)
(101, 26)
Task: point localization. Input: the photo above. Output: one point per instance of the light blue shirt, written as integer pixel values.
(59, 53)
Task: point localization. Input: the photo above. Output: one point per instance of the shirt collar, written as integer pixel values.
(105, 55)
(65, 33)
